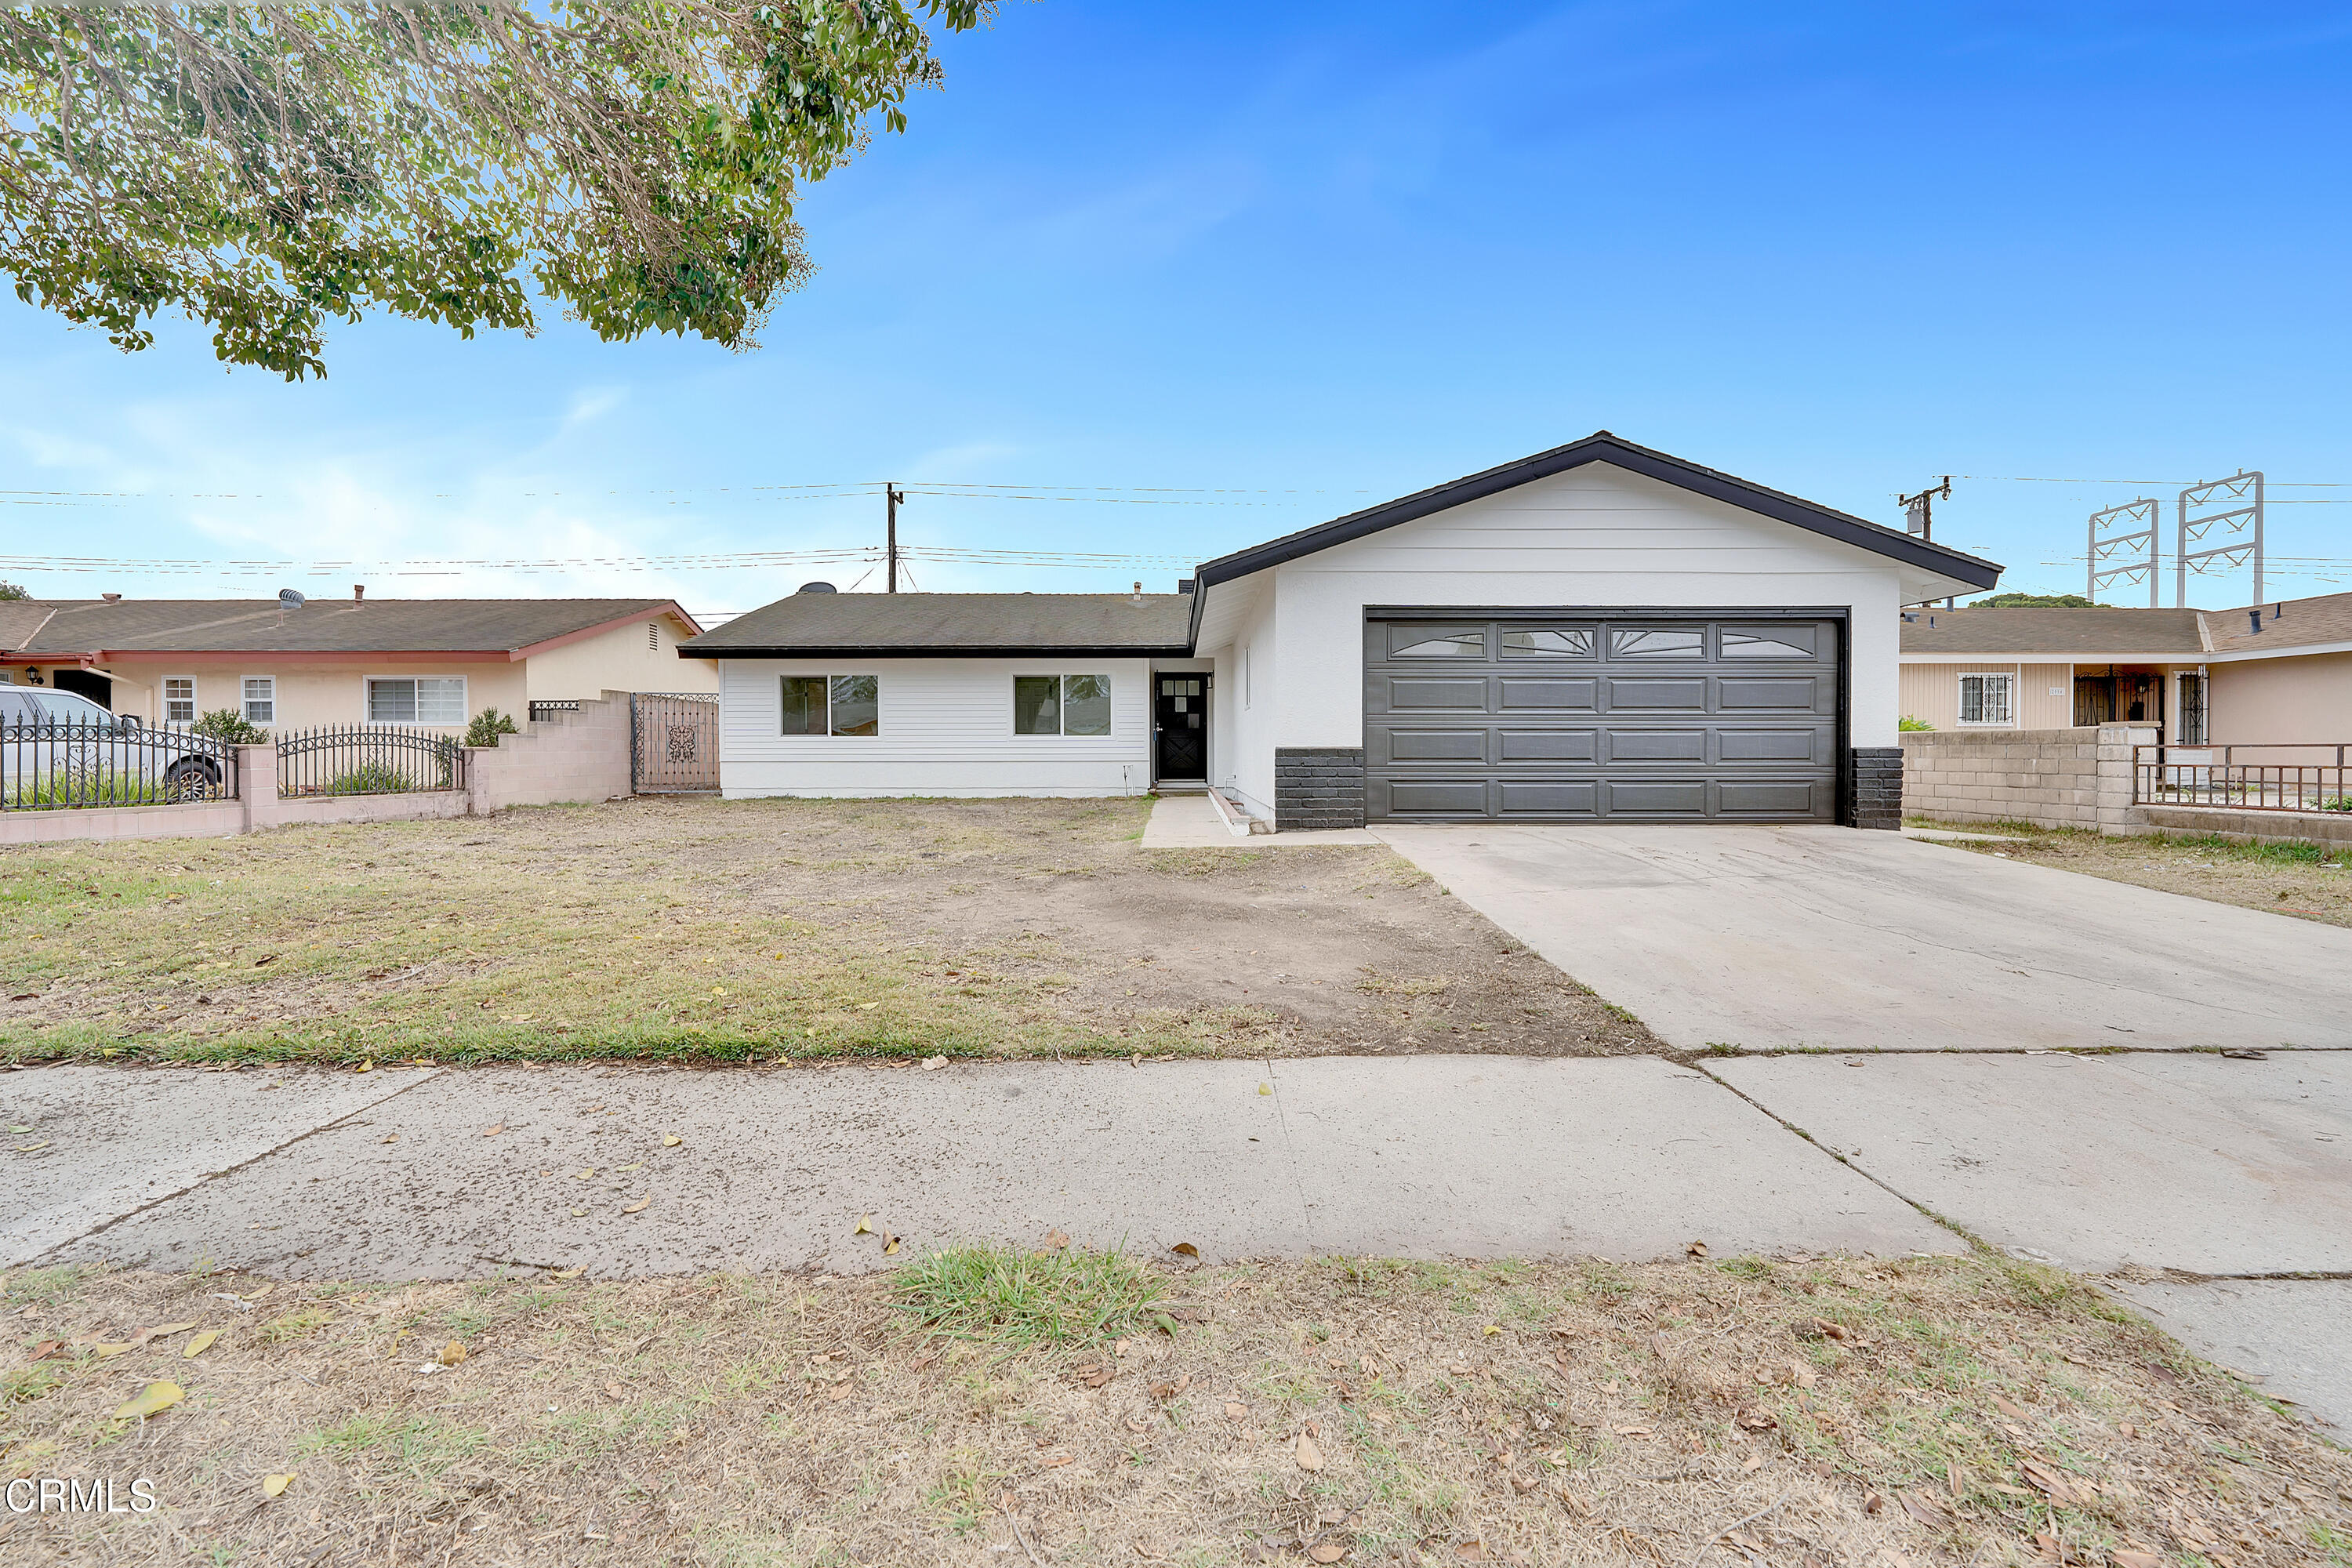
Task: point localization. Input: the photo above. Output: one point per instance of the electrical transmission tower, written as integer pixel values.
(2238, 501)
(2117, 555)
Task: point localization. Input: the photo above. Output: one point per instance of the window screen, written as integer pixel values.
(417, 699)
(261, 699)
(1086, 705)
(856, 708)
(179, 699)
(804, 705)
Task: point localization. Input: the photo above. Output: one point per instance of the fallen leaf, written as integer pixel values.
(1758, 1420)
(161, 1331)
(392, 1138)
(1309, 1454)
(1956, 1478)
(1055, 1461)
(1491, 1329)
(1750, 1465)
(578, 1214)
(1057, 1240)
(1236, 1411)
(1633, 1431)
(1376, 1417)
(200, 1344)
(1471, 1551)
(47, 1349)
(840, 1391)
(2123, 1559)
(624, 1170)
(638, 1207)
(1137, 1424)
(865, 1226)
(889, 1244)
(1327, 1551)
(1265, 1088)
(1093, 1374)
(494, 1129)
(584, 1175)
(671, 1140)
(615, 1391)
(451, 1353)
(1872, 1503)
(933, 1064)
(1830, 1331)
(1185, 1250)
(568, 1273)
(275, 1485)
(1696, 1249)
(1924, 1510)
(367, 1064)
(1523, 1484)
(2015, 1413)
(114, 1349)
(154, 1397)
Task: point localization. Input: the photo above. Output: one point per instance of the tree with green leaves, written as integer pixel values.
(260, 168)
(2034, 601)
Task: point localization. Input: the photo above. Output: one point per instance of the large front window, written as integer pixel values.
(832, 705)
(417, 699)
(1061, 704)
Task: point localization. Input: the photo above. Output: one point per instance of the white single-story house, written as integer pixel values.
(1597, 633)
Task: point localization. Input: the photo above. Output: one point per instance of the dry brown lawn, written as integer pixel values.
(1823, 1412)
(2309, 881)
(715, 930)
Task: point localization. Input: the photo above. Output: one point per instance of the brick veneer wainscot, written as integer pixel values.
(1874, 795)
(1317, 786)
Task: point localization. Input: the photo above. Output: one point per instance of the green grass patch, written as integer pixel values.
(1060, 1297)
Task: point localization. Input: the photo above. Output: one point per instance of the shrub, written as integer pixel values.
(1908, 722)
(228, 724)
(373, 778)
(487, 726)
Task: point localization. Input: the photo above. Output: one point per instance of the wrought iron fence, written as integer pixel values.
(48, 765)
(367, 759)
(673, 743)
(539, 710)
(2284, 777)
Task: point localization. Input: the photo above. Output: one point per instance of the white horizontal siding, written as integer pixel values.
(946, 728)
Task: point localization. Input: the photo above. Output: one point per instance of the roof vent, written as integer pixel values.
(288, 599)
(359, 593)
(818, 588)
(1139, 593)
(2255, 615)
(112, 598)
(1184, 584)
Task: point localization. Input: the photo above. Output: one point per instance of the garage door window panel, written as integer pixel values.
(1794, 642)
(1437, 642)
(1631, 643)
(1548, 642)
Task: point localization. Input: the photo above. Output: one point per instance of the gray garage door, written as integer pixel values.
(1580, 717)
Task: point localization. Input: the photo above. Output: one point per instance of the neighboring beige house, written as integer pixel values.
(2280, 672)
(427, 663)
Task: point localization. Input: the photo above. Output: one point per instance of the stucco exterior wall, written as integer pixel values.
(945, 728)
(626, 658)
(2284, 700)
(313, 694)
(1249, 676)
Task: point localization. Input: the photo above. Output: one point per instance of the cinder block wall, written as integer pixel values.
(565, 758)
(2051, 778)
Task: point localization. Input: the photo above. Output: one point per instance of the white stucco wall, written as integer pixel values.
(1593, 537)
(1246, 675)
(946, 729)
(624, 657)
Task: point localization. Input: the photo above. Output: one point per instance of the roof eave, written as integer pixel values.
(1597, 448)
(959, 651)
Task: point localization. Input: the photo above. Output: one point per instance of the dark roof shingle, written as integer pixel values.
(2300, 623)
(2053, 631)
(322, 625)
(814, 624)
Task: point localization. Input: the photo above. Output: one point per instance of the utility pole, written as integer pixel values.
(1919, 513)
(890, 488)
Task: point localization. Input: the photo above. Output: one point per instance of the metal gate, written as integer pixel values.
(673, 743)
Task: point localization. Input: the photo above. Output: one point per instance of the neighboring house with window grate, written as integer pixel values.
(429, 664)
(2280, 672)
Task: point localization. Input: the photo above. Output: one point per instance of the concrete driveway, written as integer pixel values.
(1824, 938)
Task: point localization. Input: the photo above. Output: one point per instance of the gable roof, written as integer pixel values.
(1600, 447)
(2051, 631)
(76, 628)
(815, 626)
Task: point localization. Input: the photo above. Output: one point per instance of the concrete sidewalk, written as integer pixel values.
(1425, 1156)
(1795, 938)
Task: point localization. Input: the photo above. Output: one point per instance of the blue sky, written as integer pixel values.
(1246, 266)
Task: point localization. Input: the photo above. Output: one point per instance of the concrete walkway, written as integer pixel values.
(1824, 938)
(1427, 1156)
(1190, 822)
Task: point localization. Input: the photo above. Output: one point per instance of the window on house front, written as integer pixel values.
(260, 700)
(179, 699)
(832, 705)
(1061, 704)
(2192, 708)
(1985, 698)
(417, 699)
